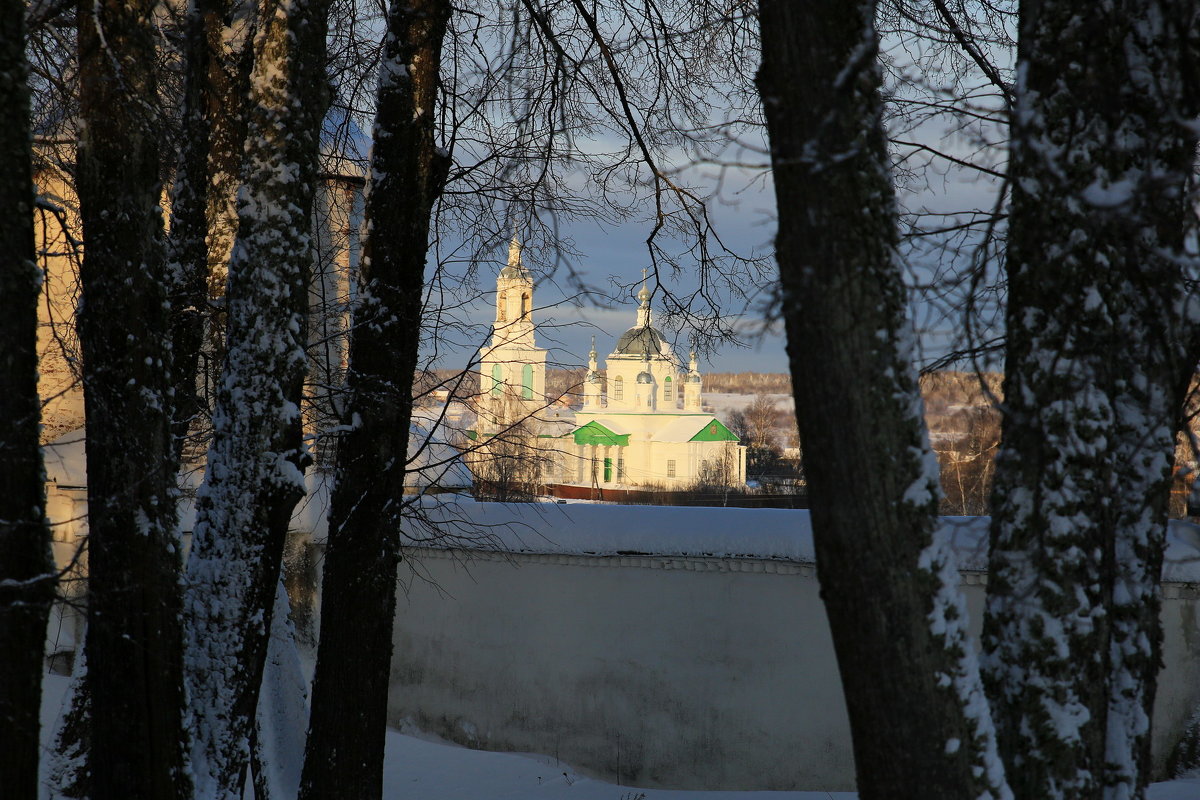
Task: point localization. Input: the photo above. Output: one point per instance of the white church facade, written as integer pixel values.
(642, 425)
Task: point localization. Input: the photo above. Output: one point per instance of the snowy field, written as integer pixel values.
(725, 403)
(421, 766)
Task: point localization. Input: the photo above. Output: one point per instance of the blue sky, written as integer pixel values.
(613, 256)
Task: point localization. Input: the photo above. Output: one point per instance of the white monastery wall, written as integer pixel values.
(678, 669)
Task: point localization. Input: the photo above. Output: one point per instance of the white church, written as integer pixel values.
(646, 430)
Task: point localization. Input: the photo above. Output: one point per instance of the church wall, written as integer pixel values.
(662, 671)
(646, 462)
(59, 365)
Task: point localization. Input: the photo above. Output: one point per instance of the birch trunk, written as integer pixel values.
(1102, 340)
(255, 465)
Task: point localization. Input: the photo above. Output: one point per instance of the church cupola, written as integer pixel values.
(691, 396)
(591, 382)
(646, 387)
(644, 315)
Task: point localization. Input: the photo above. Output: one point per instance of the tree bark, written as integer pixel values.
(203, 217)
(134, 646)
(919, 725)
(187, 263)
(344, 757)
(26, 568)
(255, 466)
(1102, 340)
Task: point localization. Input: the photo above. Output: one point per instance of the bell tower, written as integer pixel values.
(514, 301)
(512, 369)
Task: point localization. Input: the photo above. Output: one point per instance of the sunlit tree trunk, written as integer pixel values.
(344, 757)
(134, 644)
(254, 474)
(25, 583)
(919, 724)
(1102, 339)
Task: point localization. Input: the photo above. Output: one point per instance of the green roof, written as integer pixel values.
(595, 433)
(714, 431)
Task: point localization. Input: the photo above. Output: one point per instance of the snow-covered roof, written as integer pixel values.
(344, 145)
(433, 461)
(682, 429)
(612, 425)
(66, 462)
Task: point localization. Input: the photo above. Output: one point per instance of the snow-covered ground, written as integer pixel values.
(420, 766)
(725, 403)
(765, 533)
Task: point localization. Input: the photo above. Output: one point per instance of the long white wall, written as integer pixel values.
(673, 670)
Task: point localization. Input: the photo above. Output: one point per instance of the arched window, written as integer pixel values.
(501, 310)
(525, 303)
(618, 388)
(497, 378)
(668, 395)
(527, 381)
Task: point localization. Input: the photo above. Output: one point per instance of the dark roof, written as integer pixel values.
(636, 341)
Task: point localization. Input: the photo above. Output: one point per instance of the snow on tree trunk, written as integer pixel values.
(278, 751)
(1101, 344)
(26, 587)
(344, 757)
(920, 725)
(255, 465)
(229, 29)
(134, 642)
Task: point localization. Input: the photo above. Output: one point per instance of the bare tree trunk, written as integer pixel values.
(217, 61)
(134, 645)
(1102, 340)
(187, 266)
(26, 582)
(255, 466)
(344, 757)
(204, 220)
(919, 724)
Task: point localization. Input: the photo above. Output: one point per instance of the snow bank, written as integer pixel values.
(443, 771)
(600, 529)
(761, 533)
